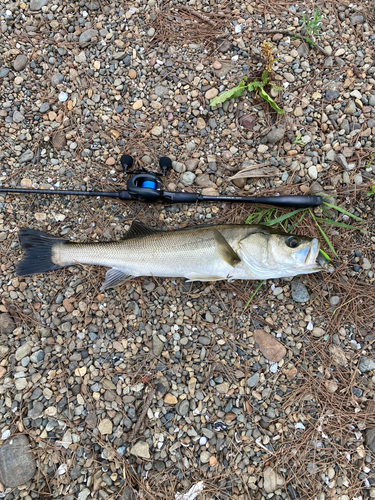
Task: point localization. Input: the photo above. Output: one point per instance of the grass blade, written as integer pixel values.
(326, 239)
(338, 224)
(297, 223)
(283, 217)
(253, 295)
(342, 210)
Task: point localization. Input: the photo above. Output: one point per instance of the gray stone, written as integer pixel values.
(371, 100)
(271, 480)
(87, 35)
(208, 433)
(191, 165)
(162, 91)
(37, 4)
(252, 381)
(188, 178)
(119, 56)
(224, 46)
(81, 57)
(26, 156)
(56, 79)
(273, 136)
(22, 351)
(6, 324)
(36, 411)
(182, 407)
(332, 94)
(357, 19)
(205, 457)
(4, 72)
(157, 345)
(299, 292)
(350, 108)
(37, 357)
(204, 340)
(44, 107)
(17, 117)
(20, 62)
(341, 160)
(303, 50)
(141, 450)
(331, 155)
(366, 364)
(334, 301)
(93, 5)
(328, 63)
(370, 439)
(17, 464)
(203, 180)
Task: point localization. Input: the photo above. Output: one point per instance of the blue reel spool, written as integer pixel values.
(149, 184)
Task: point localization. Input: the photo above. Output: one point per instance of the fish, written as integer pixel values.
(197, 253)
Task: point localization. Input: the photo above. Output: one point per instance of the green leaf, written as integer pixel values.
(343, 211)
(327, 257)
(297, 223)
(265, 77)
(254, 85)
(270, 101)
(229, 94)
(276, 87)
(283, 217)
(339, 224)
(326, 239)
(253, 295)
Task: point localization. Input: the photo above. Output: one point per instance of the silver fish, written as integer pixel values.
(201, 253)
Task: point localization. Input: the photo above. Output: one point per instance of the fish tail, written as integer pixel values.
(39, 249)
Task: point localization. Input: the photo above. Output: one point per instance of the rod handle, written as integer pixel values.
(294, 201)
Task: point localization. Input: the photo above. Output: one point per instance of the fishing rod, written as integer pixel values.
(147, 187)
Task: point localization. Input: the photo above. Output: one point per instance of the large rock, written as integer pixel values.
(6, 324)
(37, 4)
(87, 35)
(273, 136)
(271, 480)
(140, 450)
(17, 463)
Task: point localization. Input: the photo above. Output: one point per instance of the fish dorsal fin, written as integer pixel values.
(226, 252)
(113, 278)
(139, 230)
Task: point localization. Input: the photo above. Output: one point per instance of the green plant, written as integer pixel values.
(372, 191)
(312, 27)
(254, 86)
(298, 140)
(264, 216)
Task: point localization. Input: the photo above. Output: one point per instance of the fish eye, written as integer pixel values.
(292, 242)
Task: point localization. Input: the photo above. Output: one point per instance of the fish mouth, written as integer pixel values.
(307, 256)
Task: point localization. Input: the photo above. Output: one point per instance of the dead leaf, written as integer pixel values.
(248, 121)
(271, 348)
(256, 171)
(59, 140)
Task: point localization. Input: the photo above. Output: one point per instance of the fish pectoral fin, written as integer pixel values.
(226, 252)
(197, 277)
(113, 278)
(139, 230)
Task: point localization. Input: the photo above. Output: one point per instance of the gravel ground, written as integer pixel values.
(161, 386)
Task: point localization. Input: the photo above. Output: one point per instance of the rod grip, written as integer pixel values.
(294, 201)
(181, 197)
